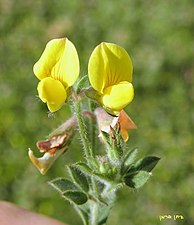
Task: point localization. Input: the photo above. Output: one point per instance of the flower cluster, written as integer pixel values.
(110, 75)
(109, 72)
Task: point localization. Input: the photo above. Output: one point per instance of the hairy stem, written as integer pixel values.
(83, 134)
(89, 154)
(93, 128)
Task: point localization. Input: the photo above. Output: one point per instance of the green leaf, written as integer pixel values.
(103, 213)
(137, 179)
(79, 178)
(129, 159)
(83, 167)
(104, 210)
(76, 197)
(147, 164)
(82, 213)
(89, 172)
(62, 185)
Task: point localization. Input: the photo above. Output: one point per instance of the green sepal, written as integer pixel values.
(129, 159)
(137, 179)
(117, 141)
(111, 147)
(82, 84)
(93, 94)
(146, 164)
(114, 145)
(69, 92)
(77, 197)
(63, 184)
(79, 178)
(106, 137)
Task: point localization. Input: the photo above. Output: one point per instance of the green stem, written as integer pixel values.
(83, 134)
(89, 153)
(94, 206)
(93, 126)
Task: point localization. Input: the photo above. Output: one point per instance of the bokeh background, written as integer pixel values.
(159, 37)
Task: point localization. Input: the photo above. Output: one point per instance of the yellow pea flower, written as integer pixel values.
(57, 69)
(110, 73)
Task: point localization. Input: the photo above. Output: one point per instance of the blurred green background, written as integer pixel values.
(159, 37)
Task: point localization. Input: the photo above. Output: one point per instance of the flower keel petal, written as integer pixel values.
(52, 92)
(117, 97)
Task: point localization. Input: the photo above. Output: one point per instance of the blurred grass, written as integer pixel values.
(159, 37)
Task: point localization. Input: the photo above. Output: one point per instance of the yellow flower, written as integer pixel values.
(57, 69)
(110, 74)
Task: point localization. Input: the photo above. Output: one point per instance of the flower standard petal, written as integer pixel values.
(49, 57)
(117, 97)
(67, 67)
(59, 61)
(52, 92)
(109, 64)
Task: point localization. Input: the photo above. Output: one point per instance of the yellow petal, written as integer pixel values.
(116, 97)
(109, 64)
(59, 61)
(52, 92)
